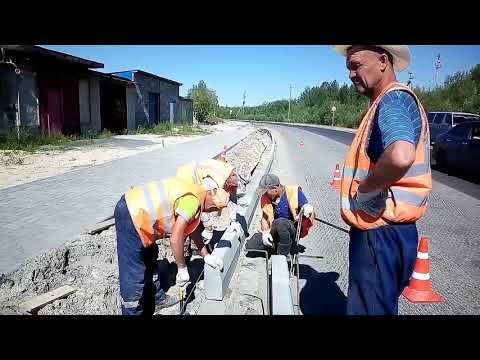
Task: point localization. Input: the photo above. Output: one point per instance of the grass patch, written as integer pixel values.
(30, 142)
(165, 129)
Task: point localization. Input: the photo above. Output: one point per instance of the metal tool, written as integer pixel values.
(330, 224)
(181, 297)
(295, 262)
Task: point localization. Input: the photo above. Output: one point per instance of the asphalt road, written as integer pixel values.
(452, 224)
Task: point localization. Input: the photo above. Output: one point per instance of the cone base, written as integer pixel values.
(417, 296)
(335, 185)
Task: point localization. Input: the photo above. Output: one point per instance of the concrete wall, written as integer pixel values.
(28, 93)
(89, 103)
(84, 104)
(7, 121)
(168, 93)
(184, 112)
(131, 100)
(28, 104)
(144, 85)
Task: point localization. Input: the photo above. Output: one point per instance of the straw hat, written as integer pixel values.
(400, 53)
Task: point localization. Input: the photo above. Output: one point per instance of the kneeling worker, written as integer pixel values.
(281, 205)
(213, 173)
(148, 213)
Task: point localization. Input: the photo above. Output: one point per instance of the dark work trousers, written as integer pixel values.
(381, 262)
(283, 233)
(140, 288)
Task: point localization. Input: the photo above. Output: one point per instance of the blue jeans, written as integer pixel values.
(140, 287)
(381, 262)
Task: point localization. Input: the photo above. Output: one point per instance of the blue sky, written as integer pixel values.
(263, 71)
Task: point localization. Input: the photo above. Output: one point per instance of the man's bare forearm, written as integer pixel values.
(197, 239)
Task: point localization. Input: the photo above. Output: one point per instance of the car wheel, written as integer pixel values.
(441, 160)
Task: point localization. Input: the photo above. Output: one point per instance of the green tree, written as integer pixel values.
(205, 101)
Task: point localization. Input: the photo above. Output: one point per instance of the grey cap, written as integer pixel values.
(267, 181)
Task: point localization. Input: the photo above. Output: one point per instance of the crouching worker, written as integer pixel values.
(151, 212)
(215, 174)
(281, 205)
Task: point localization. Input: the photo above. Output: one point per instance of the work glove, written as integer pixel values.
(235, 226)
(207, 235)
(267, 238)
(307, 210)
(214, 261)
(373, 202)
(182, 278)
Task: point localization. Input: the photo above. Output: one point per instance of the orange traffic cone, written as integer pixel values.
(420, 288)
(223, 154)
(335, 184)
(301, 143)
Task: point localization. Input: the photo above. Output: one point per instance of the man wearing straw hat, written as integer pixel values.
(386, 180)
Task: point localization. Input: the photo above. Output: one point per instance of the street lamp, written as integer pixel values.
(410, 78)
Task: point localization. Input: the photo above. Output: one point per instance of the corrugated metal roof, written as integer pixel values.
(109, 77)
(149, 74)
(38, 50)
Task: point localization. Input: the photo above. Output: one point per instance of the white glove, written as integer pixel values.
(267, 238)
(214, 261)
(207, 235)
(232, 210)
(307, 210)
(182, 276)
(235, 226)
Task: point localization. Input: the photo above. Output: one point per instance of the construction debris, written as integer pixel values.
(89, 262)
(33, 305)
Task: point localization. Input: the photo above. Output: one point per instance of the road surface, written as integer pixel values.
(452, 224)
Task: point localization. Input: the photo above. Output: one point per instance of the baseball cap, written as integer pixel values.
(267, 181)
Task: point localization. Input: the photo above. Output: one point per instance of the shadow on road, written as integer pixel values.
(321, 295)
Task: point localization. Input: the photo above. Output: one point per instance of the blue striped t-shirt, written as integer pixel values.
(397, 118)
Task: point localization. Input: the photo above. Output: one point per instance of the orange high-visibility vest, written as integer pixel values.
(407, 198)
(218, 170)
(151, 207)
(292, 198)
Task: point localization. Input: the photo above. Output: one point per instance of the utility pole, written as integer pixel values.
(438, 66)
(289, 99)
(243, 103)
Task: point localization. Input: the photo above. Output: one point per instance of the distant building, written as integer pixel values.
(61, 93)
(157, 99)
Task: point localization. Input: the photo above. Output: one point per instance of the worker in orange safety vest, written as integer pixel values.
(280, 206)
(217, 173)
(144, 214)
(386, 180)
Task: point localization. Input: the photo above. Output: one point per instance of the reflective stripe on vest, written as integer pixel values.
(151, 207)
(152, 191)
(407, 198)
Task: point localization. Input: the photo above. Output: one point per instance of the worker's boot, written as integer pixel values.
(169, 301)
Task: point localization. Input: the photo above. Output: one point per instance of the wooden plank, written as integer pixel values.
(99, 227)
(33, 305)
